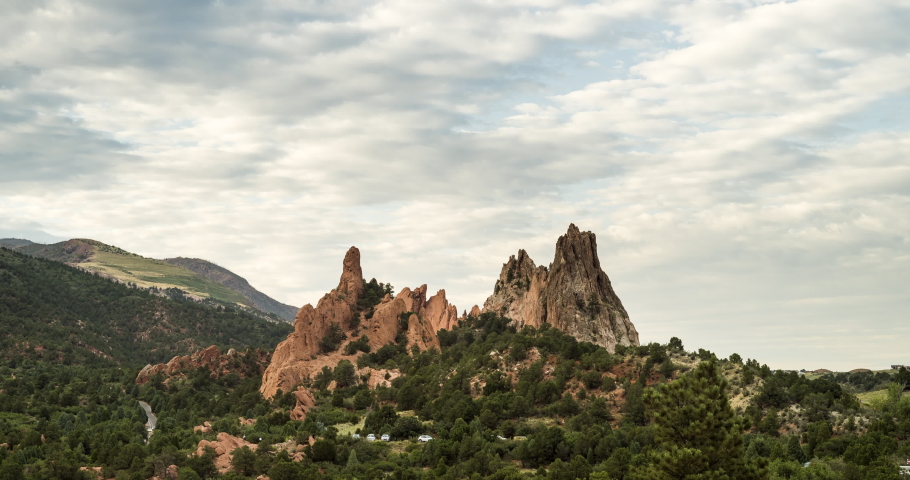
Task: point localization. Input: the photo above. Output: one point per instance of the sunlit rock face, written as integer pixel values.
(300, 357)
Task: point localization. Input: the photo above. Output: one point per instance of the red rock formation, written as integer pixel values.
(289, 364)
(519, 291)
(439, 313)
(224, 448)
(206, 427)
(210, 358)
(299, 357)
(573, 295)
(305, 401)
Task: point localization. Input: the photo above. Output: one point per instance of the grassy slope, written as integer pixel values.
(231, 280)
(125, 266)
(148, 272)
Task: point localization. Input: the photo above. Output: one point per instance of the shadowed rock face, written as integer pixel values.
(573, 295)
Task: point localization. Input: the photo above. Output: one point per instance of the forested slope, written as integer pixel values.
(55, 312)
(200, 279)
(502, 404)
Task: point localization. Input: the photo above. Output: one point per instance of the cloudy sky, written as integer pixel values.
(745, 164)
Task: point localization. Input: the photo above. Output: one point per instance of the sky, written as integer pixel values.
(745, 164)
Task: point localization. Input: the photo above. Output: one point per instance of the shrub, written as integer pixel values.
(332, 340)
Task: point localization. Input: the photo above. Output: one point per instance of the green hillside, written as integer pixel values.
(127, 267)
(500, 404)
(235, 283)
(497, 402)
(55, 312)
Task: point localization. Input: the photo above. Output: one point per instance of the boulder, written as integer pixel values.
(224, 447)
(206, 427)
(305, 401)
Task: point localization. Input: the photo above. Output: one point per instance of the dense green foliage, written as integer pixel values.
(58, 313)
(499, 403)
(695, 430)
(372, 294)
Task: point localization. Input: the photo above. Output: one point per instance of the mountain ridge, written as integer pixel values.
(57, 312)
(210, 281)
(223, 276)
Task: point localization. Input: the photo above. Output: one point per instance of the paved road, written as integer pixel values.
(153, 420)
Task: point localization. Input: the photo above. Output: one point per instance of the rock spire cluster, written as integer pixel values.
(299, 357)
(573, 294)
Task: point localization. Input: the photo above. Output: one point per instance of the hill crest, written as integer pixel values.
(206, 281)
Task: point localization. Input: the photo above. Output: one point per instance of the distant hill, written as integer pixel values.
(198, 278)
(15, 242)
(54, 312)
(236, 283)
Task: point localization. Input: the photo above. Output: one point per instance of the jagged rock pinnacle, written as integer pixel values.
(574, 294)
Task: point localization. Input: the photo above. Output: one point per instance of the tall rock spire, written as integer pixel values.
(573, 295)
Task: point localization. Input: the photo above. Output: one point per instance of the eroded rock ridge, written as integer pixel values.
(301, 356)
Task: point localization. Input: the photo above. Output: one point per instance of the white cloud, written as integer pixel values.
(720, 160)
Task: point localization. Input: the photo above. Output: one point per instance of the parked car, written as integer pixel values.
(424, 438)
(371, 438)
(385, 437)
(356, 436)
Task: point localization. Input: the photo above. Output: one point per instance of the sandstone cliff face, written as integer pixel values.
(519, 292)
(291, 361)
(439, 312)
(299, 357)
(573, 295)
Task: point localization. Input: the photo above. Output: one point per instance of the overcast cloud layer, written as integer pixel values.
(744, 164)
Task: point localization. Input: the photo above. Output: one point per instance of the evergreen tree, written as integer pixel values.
(697, 435)
(352, 459)
(795, 450)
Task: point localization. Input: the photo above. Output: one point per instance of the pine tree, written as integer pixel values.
(696, 432)
(795, 450)
(352, 459)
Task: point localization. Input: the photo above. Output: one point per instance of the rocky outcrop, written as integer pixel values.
(205, 428)
(519, 292)
(439, 312)
(210, 358)
(305, 401)
(291, 361)
(299, 357)
(224, 448)
(573, 294)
